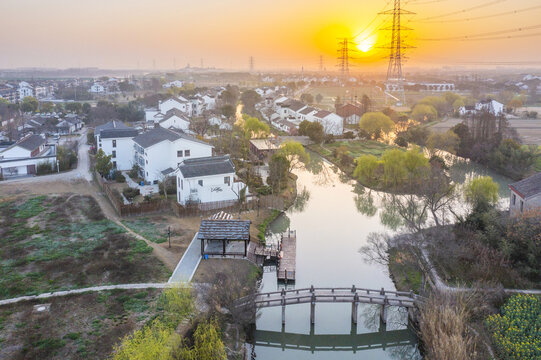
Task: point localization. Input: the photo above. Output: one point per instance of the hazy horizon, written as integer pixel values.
(280, 35)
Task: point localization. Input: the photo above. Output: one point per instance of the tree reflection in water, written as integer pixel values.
(301, 200)
(364, 201)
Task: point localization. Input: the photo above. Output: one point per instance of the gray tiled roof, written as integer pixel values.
(528, 187)
(224, 230)
(159, 134)
(118, 133)
(206, 166)
(114, 124)
(31, 142)
(307, 111)
(322, 114)
(174, 112)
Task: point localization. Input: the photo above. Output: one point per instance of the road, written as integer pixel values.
(81, 172)
(528, 129)
(188, 264)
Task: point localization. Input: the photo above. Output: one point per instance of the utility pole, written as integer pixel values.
(169, 235)
(251, 64)
(321, 63)
(344, 50)
(395, 78)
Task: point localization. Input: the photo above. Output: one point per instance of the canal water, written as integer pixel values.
(333, 219)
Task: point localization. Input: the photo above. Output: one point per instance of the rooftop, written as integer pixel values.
(263, 144)
(206, 166)
(118, 133)
(528, 187)
(224, 230)
(113, 124)
(31, 142)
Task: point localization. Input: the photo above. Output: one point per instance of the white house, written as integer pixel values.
(23, 157)
(65, 127)
(175, 119)
(113, 124)
(175, 83)
(207, 180)
(97, 89)
(491, 106)
(332, 123)
(159, 152)
(179, 103)
(25, 89)
(525, 195)
(118, 142)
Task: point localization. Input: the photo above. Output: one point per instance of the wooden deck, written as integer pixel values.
(287, 266)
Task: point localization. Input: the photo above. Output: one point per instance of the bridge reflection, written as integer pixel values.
(352, 342)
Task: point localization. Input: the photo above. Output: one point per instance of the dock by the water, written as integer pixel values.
(288, 261)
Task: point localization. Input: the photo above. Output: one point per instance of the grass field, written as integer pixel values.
(147, 229)
(52, 243)
(355, 148)
(84, 326)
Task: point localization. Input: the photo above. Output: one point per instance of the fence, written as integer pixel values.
(252, 203)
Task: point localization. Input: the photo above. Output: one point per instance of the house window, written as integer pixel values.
(114, 164)
(181, 184)
(179, 153)
(227, 180)
(521, 205)
(178, 182)
(114, 143)
(200, 182)
(514, 199)
(146, 161)
(114, 153)
(186, 153)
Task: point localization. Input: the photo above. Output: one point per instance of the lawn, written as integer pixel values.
(149, 230)
(50, 243)
(355, 148)
(82, 326)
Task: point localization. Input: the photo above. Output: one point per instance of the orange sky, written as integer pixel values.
(279, 34)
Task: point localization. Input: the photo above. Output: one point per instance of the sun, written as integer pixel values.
(365, 44)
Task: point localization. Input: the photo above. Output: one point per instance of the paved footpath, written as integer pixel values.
(188, 264)
(84, 290)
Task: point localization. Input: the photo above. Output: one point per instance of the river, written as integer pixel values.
(330, 231)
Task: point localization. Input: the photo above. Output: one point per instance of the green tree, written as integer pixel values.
(249, 98)
(103, 163)
(29, 104)
(424, 113)
(481, 191)
(74, 107)
(319, 98)
(366, 103)
(295, 154)
(278, 171)
(86, 108)
(228, 111)
(313, 130)
(307, 98)
(458, 104)
(367, 166)
(47, 107)
(151, 342)
(438, 103)
(512, 159)
(447, 141)
(208, 344)
(177, 303)
(254, 128)
(376, 124)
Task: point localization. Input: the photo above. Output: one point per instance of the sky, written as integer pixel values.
(279, 34)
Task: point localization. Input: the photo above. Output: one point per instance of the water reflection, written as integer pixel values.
(365, 203)
(301, 201)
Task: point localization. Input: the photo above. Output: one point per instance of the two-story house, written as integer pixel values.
(159, 151)
(23, 157)
(207, 180)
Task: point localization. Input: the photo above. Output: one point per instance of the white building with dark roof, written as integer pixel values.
(23, 157)
(207, 180)
(525, 195)
(175, 119)
(159, 151)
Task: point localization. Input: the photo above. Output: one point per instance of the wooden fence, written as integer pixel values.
(267, 201)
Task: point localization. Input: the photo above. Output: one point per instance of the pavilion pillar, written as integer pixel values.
(223, 247)
(202, 247)
(245, 248)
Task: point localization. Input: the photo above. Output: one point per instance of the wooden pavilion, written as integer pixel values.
(224, 237)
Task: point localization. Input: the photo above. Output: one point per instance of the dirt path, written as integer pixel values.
(83, 290)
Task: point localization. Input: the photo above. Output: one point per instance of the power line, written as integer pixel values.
(423, 2)
(484, 35)
(493, 2)
(510, 12)
(374, 19)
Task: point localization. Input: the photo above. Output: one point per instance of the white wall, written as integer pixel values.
(167, 105)
(124, 152)
(175, 122)
(214, 188)
(15, 152)
(163, 155)
(529, 204)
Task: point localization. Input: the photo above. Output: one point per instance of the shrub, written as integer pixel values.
(44, 168)
(516, 332)
(349, 135)
(134, 172)
(130, 193)
(117, 175)
(401, 141)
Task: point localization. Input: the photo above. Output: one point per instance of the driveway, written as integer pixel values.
(188, 264)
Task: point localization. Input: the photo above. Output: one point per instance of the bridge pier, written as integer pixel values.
(283, 307)
(313, 312)
(383, 311)
(354, 309)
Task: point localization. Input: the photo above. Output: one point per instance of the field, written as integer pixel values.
(243, 270)
(50, 243)
(77, 327)
(355, 148)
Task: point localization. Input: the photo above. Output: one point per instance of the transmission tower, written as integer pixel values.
(395, 78)
(344, 51)
(251, 64)
(321, 63)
